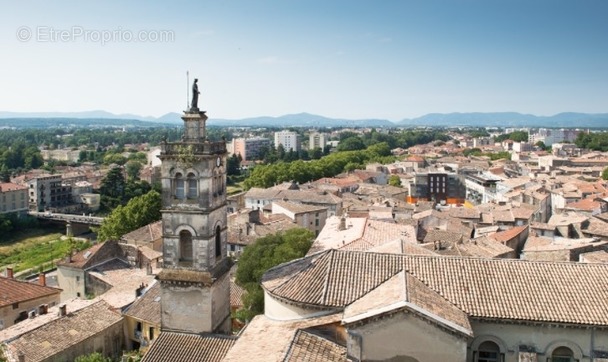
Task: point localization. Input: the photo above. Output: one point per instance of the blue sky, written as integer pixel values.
(347, 59)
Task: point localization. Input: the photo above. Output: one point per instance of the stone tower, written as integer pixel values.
(195, 283)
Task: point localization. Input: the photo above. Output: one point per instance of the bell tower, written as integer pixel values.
(195, 283)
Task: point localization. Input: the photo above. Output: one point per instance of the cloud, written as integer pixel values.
(385, 40)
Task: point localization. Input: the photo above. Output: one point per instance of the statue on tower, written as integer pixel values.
(195, 93)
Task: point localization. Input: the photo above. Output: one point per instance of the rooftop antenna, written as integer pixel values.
(187, 90)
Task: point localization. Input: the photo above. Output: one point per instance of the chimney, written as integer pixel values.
(9, 273)
(62, 310)
(42, 279)
(342, 225)
(43, 309)
(21, 357)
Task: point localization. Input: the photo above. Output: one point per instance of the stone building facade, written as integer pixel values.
(195, 284)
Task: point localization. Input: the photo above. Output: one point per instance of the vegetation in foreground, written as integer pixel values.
(38, 252)
(263, 254)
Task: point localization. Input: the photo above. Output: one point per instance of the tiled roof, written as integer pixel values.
(298, 208)
(360, 234)
(403, 291)
(52, 314)
(584, 204)
(442, 236)
(15, 291)
(9, 186)
(147, 307)
(504, 236)
(268, 340)
(484, 288)
(236, 295)
(60, 334)
(184, 347)
(145, 234)
(503, 216)
(310, 347)
(79, 259)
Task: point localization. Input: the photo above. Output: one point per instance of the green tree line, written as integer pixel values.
(328, 166)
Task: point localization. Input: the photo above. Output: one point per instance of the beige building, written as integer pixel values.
(96, 328)
(20, 300)
(13, 198)
(142, 318)
(317, 140)
(306, 216)
(250, 149)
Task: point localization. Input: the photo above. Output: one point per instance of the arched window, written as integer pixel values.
(488, 352)
(179, 186)
(218, 242)
(562, 354)
(192, 186)
(185, 247)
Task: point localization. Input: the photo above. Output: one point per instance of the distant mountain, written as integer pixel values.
(74, 123)
(509, 119)
(301, 120)
(499, 119)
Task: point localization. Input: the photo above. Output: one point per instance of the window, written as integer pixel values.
(218, 242)
(179, 186)
(151, 333)
(192, 186)
(488, 352)
(185, 247)
(562, 354)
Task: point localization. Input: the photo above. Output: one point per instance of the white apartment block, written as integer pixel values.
(551, 136)
(289, 140)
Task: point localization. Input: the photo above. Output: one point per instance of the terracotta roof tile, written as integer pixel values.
(484, 288)
(183, 347)
(310, 347)
(147, 307)
(145, 234)
(9, 186)
(15, 291)
(504, 236)
(65, 332)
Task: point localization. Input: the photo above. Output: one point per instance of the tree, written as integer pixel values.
(394, 180)
(233, 165)
(112, 189)
(263, 254)
(605, 174)
(133, 168)
(139, 211)
(316, 153)
(93, 357)
(351, 144)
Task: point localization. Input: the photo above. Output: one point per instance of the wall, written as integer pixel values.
(109, 342)
(95, 286)
(543, 339)
(71, 280)
(405, 337)
(130, 326)
(8, 314)
(186, 308)
(277, 310)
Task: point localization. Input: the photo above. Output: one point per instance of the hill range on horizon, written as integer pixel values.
(472, 119)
